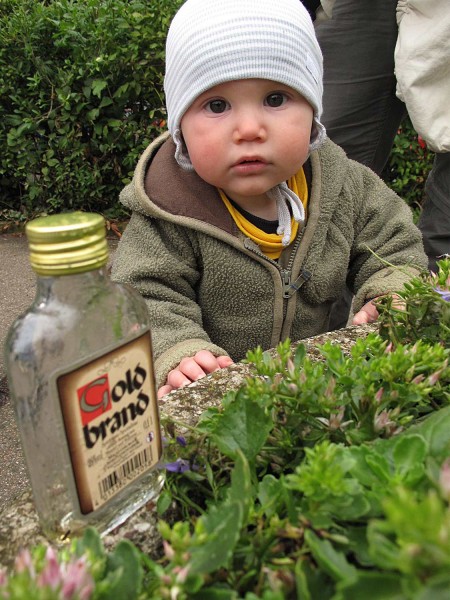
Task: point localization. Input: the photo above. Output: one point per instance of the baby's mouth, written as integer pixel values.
(250, 166)
(250, 161)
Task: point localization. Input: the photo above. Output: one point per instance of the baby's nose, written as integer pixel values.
(249, 127)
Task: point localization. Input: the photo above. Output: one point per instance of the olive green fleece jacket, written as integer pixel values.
(209, 287)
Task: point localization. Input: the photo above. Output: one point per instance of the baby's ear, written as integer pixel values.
(181, 151)
(318, 135)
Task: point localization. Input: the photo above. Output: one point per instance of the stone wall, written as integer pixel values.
(19, 526)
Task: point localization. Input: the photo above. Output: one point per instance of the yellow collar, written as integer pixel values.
(270, 243)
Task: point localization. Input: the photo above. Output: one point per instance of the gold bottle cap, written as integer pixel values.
(67, 243)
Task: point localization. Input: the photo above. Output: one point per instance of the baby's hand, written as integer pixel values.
(369, 313)
(193, 368)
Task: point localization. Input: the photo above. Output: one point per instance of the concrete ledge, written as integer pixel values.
(19, 526)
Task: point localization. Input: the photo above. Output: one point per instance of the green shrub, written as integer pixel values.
(408, 166)
(317, 479)
(81, 96)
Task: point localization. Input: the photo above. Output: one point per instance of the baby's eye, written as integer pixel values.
(275, 99)
(217, 106)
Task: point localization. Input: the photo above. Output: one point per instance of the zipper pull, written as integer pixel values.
(286, 282)
(290, 288)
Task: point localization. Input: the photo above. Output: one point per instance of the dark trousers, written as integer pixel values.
(434, 221)
(362, 113)
(360, 109)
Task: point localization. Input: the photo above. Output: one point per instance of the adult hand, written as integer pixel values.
(192, 368)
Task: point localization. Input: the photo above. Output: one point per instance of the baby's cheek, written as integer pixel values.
(296, 155)
(206, 162)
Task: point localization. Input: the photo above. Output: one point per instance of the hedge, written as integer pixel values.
(80, 97)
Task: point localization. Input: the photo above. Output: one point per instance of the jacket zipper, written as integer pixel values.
(289, 288)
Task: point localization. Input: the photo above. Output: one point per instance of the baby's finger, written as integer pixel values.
(178, 378)
(207, 361)
(163, 390)
(224, 361)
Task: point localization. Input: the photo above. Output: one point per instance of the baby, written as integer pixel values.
(247, 222)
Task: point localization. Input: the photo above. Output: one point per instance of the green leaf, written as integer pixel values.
(241, 484)
(106, 101)
(409, 453)
(93, 114)
(164, 501)
(383, 550)
(98, 85)
(90, 541)
(436, 588)
(371, 586)
(215, 593)
(301, 581)
(357, 538)
(222, 526)
(270, 493)
(121, 90)
(379, 466)
(356, 508)
(114, 123)
(243, 425)
(435, 430)
(330, 560)
(300, 355)
(124, 573)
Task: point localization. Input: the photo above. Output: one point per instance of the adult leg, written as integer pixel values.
(361, 111)
(434, 221)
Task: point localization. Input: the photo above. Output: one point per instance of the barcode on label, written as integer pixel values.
(121, 476)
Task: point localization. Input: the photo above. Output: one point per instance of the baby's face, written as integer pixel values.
(247, 136)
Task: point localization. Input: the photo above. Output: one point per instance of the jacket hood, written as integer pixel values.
(161, 188)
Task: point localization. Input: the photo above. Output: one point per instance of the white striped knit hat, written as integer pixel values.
(213, 41)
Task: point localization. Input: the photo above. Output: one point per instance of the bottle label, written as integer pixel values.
(111, 421)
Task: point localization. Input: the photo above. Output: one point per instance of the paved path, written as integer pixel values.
(17, 290)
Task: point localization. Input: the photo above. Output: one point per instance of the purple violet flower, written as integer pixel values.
(179, 466)
(445, 294)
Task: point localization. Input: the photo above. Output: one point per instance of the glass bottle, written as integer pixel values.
(80, 373)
